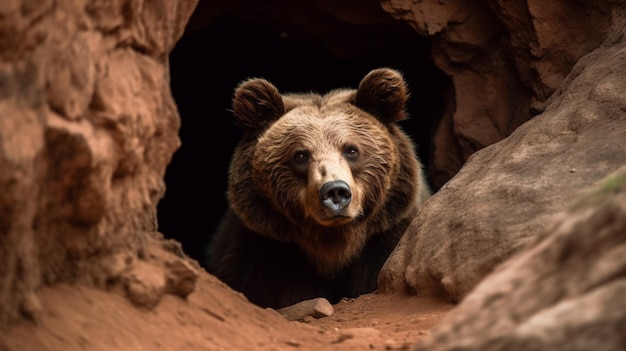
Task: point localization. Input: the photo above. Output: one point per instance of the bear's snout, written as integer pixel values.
(336, 195)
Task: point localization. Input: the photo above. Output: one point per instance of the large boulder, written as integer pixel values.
(505, 193)
(565, 291)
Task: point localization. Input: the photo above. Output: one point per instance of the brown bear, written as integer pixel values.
(320, 190)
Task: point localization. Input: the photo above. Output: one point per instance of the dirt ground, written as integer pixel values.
(381, 321)
(214, 317)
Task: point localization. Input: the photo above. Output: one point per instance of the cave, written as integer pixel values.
(522, 136)
(215, 54)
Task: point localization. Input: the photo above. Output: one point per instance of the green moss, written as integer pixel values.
(611, 185)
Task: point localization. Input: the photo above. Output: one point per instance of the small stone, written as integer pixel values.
(292, 343)
(31, 307)
(396, 345)
(359, 337)
(316, 308)
(115, 265)
(145, 285)
(181, 277)
(361, 333)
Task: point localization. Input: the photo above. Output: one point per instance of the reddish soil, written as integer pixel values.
(214, 317)
(381, 321)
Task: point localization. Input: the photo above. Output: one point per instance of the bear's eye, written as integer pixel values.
(351, 152)
(301, 157)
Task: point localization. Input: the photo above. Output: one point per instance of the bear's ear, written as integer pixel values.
(383, 93)
(256, 104)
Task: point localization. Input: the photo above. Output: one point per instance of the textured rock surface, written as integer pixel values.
(505, 192)
(87, 127)
(505, 59)
(565, 291)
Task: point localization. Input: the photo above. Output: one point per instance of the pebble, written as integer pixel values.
(315, 308)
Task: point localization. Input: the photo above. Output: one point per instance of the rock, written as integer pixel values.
(361, 333)
(397, 345)
(506, 192)
(359, 338)
(87, 127)
(565, 291)
(316, 308)
(181, 277)
(31, 307)
(145, 285)
(504, 60)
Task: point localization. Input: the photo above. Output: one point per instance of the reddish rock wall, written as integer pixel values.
(505, 59)
(87, 128)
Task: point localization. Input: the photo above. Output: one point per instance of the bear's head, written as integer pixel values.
(325, 172)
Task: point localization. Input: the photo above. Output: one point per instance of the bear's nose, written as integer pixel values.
(336, 195)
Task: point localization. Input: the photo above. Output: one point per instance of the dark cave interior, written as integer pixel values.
(208, 62)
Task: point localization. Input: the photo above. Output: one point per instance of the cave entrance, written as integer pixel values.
(209, 61)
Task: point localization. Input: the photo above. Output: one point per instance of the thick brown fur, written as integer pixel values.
(281, 241)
